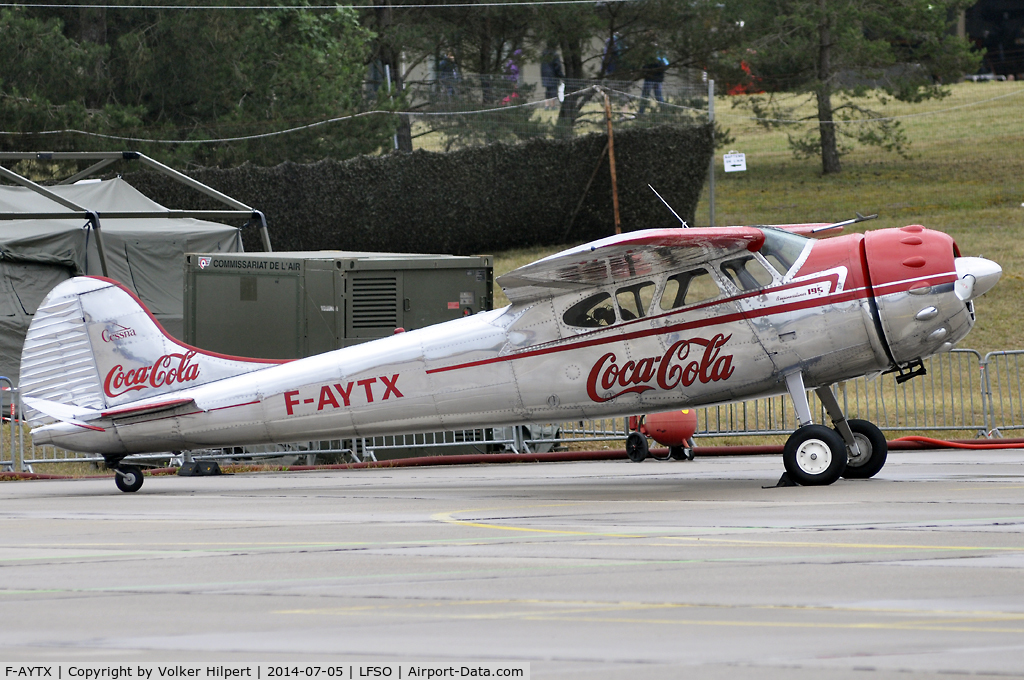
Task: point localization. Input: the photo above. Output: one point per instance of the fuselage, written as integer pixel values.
(823, 308)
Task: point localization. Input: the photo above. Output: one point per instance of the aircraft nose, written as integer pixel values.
(976, 276)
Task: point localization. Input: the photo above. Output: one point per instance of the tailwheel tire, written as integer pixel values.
(814, 455)
(872, 454)
(636, 447)
(128, 478)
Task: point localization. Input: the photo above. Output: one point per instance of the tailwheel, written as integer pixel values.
(871, 453)
(128, 478)
(814, 455)
(636, 447)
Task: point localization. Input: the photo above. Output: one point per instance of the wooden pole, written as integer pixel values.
(611, 163)
(711, 168)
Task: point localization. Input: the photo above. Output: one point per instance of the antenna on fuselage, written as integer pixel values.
(681, 220)
(844, 223)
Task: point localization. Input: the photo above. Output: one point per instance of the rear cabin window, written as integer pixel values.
(635, 300)
(592, 312)
(747, 273)
(688, 288)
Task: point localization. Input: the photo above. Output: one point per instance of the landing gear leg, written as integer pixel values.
(814, 455)
(866, 448)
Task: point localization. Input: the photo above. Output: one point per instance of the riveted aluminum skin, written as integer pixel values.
(913, 273)
(101, 376)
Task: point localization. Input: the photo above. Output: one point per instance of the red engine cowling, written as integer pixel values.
(670, 428)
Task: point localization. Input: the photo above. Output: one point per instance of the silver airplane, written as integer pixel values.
(638, 323)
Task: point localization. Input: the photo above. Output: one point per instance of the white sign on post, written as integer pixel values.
(735, 162)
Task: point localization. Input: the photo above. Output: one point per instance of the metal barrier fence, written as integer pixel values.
(9, 452)
(961, 392)
(1004, 391)
(948, 397)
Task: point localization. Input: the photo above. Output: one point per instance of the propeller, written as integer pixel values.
(975, 277)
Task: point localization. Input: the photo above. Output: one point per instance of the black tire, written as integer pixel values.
(128, 478)
(814, 455)
(636, 447)
(874, 450)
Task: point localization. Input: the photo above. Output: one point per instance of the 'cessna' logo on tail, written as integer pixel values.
(667, 371)
(167, 370)
(118, 332)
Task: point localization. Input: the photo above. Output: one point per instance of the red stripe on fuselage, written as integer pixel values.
(834, 298)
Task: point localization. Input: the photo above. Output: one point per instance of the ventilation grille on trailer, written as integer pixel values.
(375, 302)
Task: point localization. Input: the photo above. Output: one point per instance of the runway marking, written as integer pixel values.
(630, 604)
(210, 547)
(447, 518)
(445, 574)
(961, 622)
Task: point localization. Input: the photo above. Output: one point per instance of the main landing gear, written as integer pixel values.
(128, 478)
(816, 455)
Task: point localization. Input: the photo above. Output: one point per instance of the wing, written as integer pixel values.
(637, 253)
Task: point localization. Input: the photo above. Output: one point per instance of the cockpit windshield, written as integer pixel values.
(782, 248)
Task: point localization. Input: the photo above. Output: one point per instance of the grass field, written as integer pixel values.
(964, 176)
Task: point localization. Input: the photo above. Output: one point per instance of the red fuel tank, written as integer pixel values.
(670, 428)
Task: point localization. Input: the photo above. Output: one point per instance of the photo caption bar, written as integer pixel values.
(265, 671)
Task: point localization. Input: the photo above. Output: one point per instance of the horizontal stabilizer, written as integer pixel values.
(82, 416)
(75, 415)
(144, 409)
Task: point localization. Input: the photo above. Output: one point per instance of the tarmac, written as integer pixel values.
(585, 570)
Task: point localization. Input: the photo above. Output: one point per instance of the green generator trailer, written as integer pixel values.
(293, 305)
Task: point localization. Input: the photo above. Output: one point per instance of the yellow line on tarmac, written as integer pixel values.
(447, 518)
(963, 623)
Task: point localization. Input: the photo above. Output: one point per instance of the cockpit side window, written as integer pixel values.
(782, 248)
(635, 300)
(688, 288)
(747, 273)
(592, 312)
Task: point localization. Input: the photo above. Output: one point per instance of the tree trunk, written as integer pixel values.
(826, 127)
(391, 57)
(829, 149)
(572, 61)
(92, 22)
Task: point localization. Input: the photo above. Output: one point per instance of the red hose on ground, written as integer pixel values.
(928, 442)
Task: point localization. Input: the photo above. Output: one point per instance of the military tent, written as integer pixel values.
(144, 251)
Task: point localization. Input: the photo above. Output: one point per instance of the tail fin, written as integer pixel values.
(92, 344)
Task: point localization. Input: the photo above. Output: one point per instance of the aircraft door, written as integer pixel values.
(710, 350)
(750, 275)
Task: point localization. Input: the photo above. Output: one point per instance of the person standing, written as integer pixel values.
(654, 76)
(551, 72)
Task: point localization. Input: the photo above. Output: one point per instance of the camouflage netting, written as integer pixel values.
(477, 200)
